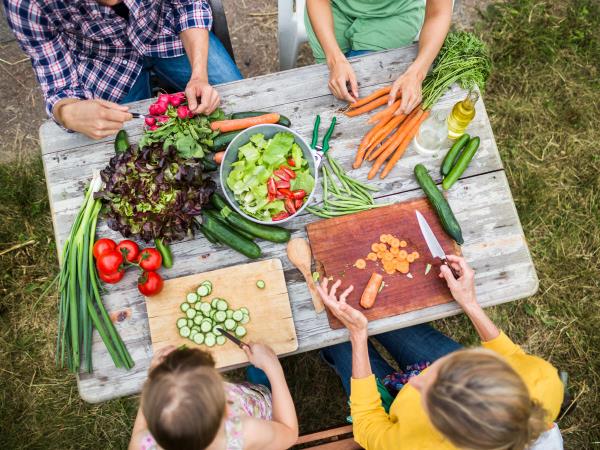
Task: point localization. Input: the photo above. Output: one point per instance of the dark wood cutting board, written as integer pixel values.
(337, 243)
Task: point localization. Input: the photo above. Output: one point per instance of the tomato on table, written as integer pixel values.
(112, 278)
(150, 259)
(109, 262)
(129, 249)
(102, 246)
(150, 283)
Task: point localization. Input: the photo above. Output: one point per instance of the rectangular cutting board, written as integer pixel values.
(271, 319)
(337, 243)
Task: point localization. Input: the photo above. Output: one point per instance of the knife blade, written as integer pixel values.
(232, 338)
(432, 243)
(138, 115)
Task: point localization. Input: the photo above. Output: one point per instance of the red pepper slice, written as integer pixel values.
(282, 184)
(282, 175)
(282, 215)
(286, 192)
(299, 194)
(291, 162)
(271, 187)
(290, 206)
(289, 172)
(298, 203)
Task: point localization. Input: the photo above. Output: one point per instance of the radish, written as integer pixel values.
(153, 127)
(175, 100)
(160, 108)
(183, 112)
(163, 98)
(162, 119)
(152, 109)
(150, 121)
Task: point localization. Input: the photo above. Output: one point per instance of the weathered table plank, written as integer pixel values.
(495, 244)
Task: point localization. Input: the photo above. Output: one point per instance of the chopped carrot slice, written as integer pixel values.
(410, 258)
(380, 255)
(360, 263)
(388, 257)
(390, 271)
(402, 254)
(372, 256)
(415, 255)
(403, 267)
(395, 242)
(403, 244)
(383, 238)
(382, 247)
(394, 251)
(375, 247)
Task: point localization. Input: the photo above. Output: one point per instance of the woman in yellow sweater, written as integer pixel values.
(496, 397)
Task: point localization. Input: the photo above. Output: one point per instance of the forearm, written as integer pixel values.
(139, 427)
(361, 365)
(438, 15)
(482, 323)
(284, 411)
(195, 42)
(321, 19)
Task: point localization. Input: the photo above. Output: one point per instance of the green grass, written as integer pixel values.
(543, 104)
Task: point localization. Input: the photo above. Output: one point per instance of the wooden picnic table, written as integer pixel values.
(494, 242)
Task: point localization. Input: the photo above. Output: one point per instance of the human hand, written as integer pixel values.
(352, 318)
(160, 356)
(340, 74)
(198, 88)
(95, 118)
(262, 356)
(463, 288)
(408, 85)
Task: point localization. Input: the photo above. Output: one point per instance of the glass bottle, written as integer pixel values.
(462, 114)
(432, 134)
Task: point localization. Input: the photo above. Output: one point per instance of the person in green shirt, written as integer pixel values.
(338, 29)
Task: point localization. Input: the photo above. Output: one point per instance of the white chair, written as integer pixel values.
(292, 33)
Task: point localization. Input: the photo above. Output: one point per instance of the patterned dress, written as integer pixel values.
(243, 399)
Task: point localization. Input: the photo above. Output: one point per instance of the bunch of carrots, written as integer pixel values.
(391, 134)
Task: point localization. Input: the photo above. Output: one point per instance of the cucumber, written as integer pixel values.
(441, 206)
(237, 315)
(240, 331)
(222, 305)
(213, 303)
(198, 338)
(245, 319)
(208, 164)
(205, 308)
(189, 323)
(203, 290)
(260, 284)
(453, 154)
(198, 306)
(190, 313)
(198, 319)
(220, 316)
(209, 236)
(224, 139)
(181, 322)
(233, 240)
(206, 326)
(192, 297)
(229, 313)
(196, 328)
(184, 307)
(461, 164)
(223, 221)
(210, 339)
(121, 142)
(208, 284)
(244, 310)
(165, 252)
(185, 331)
(284, 121)
(230, 324)
(221, 340)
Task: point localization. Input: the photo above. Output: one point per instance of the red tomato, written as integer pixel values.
(282, 215)
(271, 187)
(299, 194)
(271, 197)
(150, 283)
(150, 259)
(286, 192)
(289, 205)
(112, 278)
(282, 184)
(298, 203)
(129, 249)
(108, 263)
(289, 172)
(102, 246)
(281, 174)
(291, 162)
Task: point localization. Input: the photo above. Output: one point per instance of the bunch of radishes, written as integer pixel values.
(165, 104)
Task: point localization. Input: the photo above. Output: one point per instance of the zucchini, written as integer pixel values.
(208, 165)
(238, 243)
(439, 203)
(461, 164)
(224, 139)
(121, 142)
(215, 215)
(284, 121)
(165, 252)
(453, 154)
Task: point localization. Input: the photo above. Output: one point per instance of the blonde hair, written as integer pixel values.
(183, 400)
(479, 402)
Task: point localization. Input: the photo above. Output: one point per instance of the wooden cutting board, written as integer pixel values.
(270, 312)
(337, 243)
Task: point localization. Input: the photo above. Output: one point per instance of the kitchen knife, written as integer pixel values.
(434, 245)
(232, 338)
(137, 115)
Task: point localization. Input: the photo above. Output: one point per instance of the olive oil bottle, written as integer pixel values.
(461, 115)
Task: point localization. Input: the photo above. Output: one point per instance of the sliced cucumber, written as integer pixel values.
(205, 308)
(196, 328)
(198, 319)
(190, 323)
(210, 339)
(185, 306)
(221, 340)
(220, 316)
(230, 324)
(245, 319)
(198, 338)
(217, 330)
(192, 297)
(181, 322)
(193, 333)
(244, 310)
(229, 313)
(260, 284)
(237, 315)
(206, 326)
(197, 306)
(184, 331)
(240, 331)
(222, 305)
(214, 302)
(190, 313)
(208, 284)
(203, 291)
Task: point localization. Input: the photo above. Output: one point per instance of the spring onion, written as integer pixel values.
(80, 305)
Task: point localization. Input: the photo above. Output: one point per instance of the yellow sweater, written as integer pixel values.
(408, 427)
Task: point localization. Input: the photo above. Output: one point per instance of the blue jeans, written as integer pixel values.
(406, 345)
(352, 53)
(176, 72)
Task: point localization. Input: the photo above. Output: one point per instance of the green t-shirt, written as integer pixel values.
(371, 24)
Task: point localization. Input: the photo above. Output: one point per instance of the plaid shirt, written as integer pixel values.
(82, 49)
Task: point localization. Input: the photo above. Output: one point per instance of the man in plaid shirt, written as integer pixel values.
(91, 56)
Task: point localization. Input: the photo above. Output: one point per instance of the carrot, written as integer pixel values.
(384, 132)
(366, 108)
(404, 145)
(366, 145)
(369, 98)
(386, 113)
(367, 299)
(218, 157)
(406, 127)
(240, 124)
(395, 139)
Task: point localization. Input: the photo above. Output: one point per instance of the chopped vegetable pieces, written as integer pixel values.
(387, 251)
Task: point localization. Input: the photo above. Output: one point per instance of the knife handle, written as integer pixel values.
(454, 272)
